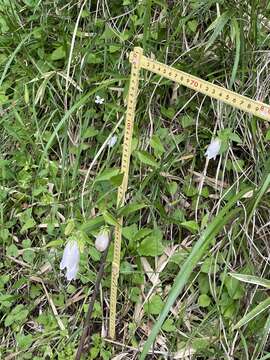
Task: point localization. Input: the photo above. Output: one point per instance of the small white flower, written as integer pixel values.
(102, 240)
(112, 141)
(99, 100)
(213, 149)
(70, 259)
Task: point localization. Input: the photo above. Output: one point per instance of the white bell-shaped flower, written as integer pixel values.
(70, 259)
(112, 141)
(213, 149)
(102, 240)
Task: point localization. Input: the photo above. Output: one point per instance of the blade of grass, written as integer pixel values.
(78, 104)
(251, 279)
(196, 254)
(236, 31)
(253, 313)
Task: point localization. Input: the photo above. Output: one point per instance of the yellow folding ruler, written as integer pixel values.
(138, 62)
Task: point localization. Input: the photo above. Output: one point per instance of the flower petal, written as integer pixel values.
(102, 241)
(65, 257)
(213, 149)
(112, 141)
(71, 273)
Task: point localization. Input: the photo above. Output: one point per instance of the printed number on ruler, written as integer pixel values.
(232, 98)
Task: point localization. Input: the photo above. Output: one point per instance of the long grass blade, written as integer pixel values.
(196, 254)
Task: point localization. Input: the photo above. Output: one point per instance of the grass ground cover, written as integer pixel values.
(64, 74)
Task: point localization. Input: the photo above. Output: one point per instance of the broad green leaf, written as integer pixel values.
(168, 326)
(152, 244)
(129, 231)
(92, 224)
(89, 132)
(142, 233)
(192, 24)
(154, 305)
(191, 225)
(147, 159)
(130, 208)
(58, 54)
(233, 287)
(226, 214)
(172, 187)
(107, 174)
(204, 300)
(157, 145)
(109, 218)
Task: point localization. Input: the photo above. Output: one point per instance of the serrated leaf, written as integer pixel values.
(109, 218)
(130, 208)
(142, 233)
(147, 159)
(191, 225)
(218, 26)
(154, 305)
(89, 132)
(157, 145)
(107, 174)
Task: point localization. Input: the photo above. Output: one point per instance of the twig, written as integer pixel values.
(91, 304)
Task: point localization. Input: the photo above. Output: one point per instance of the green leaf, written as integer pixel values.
(191, 225)
(253, 313)
(129, 231)
(154, 306)
(89, 132)
(29, 224)
(107, 174)
(58, 54)
(233, 287)
(187, 121)
(236, 36)
(204, 300)
(24, 341)
(168, 326)
(12, 250)
(192, 24)
(117, 179)
(251, 279)
(267, 136)
(147, 159)
(18, 315)
(130, 208)
(142, 233)
(172, 187)
(218, 26)
(55, 243)
(109, 218)
(157, 145)
(203, 281)
(224, 216)
(152, 244)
